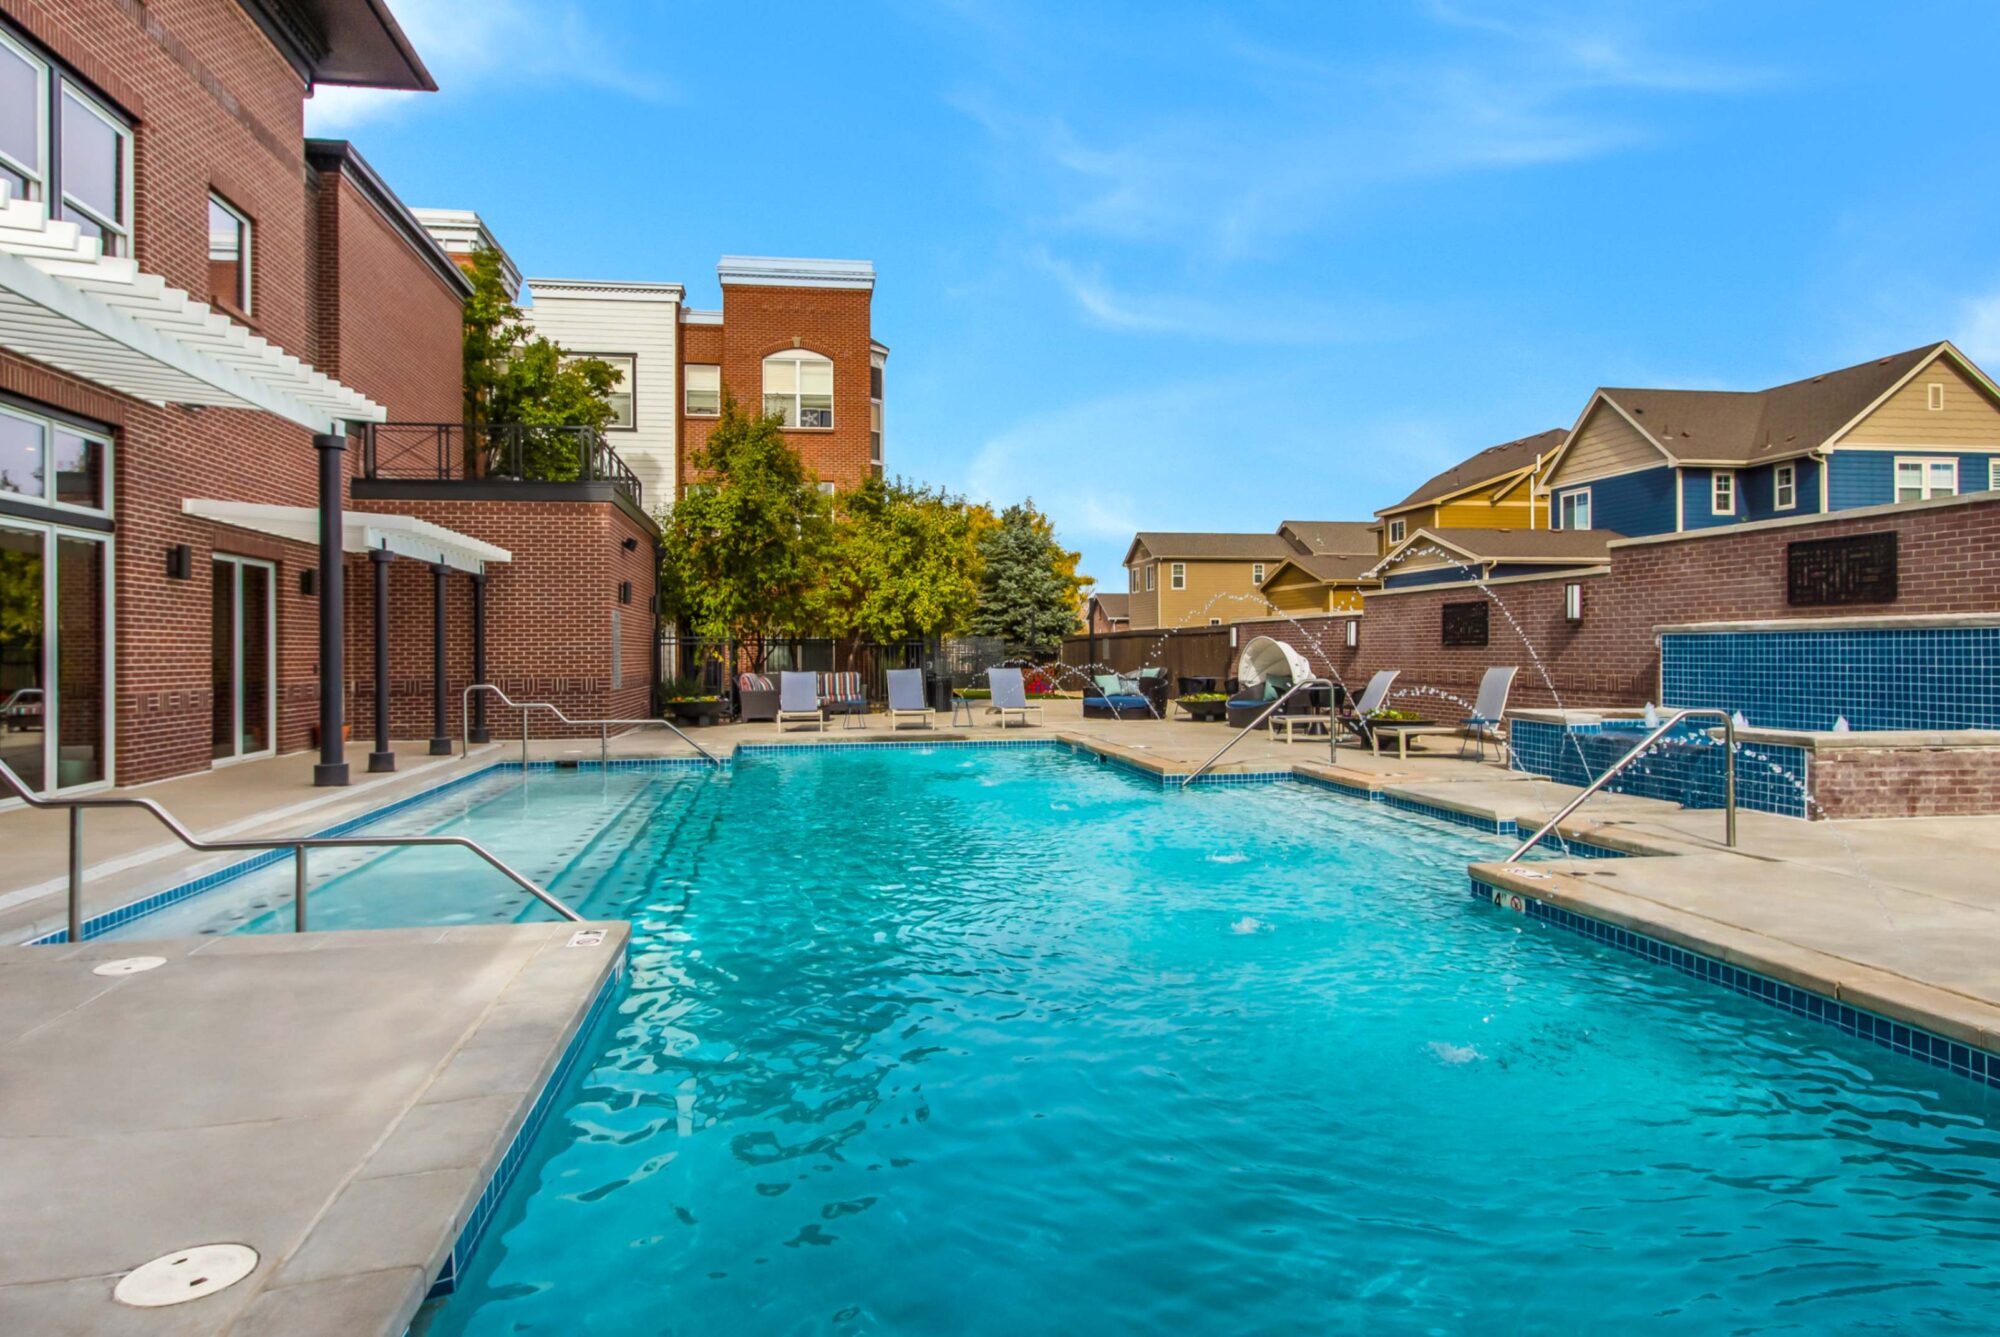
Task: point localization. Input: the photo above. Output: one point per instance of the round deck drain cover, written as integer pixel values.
(128, 965)
(186, 1274)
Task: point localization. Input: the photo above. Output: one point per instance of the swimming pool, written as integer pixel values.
(923, 1040)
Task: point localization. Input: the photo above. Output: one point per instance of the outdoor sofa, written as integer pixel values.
(1114, 696)
(756, 698)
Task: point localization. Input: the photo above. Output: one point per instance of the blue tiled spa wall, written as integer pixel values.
(1877, 677)
(1686, 768)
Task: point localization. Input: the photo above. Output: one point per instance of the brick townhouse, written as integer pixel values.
(198, 308)
(792, 338)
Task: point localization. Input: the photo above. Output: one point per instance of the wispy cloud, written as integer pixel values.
(470, 47)
(1244, 318)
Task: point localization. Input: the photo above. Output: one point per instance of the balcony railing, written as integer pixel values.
(527, 452)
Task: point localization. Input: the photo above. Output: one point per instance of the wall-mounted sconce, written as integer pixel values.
(1573, 601)
(309, 582)
(631, 543)
(180, 562)
(624, 591)
(1353, 632)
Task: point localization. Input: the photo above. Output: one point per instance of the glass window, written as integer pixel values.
(1993, 475)
(1784, 487)
(23, 456)
(1573, 510)
(874, 382)
(1256, 573)
(1397, 529)
(80, 751)
(1177, 575)
(79, 469)
(1920, 480)
(1149, 575)
(96, 160)
(23, 103)
(23, 666)
(624, 408)
(702, 386)
(798, 388)
(228, 256)
(1722, 492)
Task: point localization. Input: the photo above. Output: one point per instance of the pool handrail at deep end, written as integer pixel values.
(75, 804)
(1666, 726)
(603, 726)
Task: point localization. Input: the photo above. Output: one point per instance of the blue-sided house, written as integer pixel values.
(1448, 556)
(1909, 427)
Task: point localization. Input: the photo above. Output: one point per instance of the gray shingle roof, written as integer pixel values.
(1494, 462)
(1334, 536)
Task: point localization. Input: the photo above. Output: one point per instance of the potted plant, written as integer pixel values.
(1205, 705)
(687, 702)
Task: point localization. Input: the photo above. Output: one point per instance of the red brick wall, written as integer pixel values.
(1949, 558)
(759, 321)
(1904, 782)
(548, 617)
(393, 328)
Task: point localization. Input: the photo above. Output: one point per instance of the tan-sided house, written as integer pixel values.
(1494, 489)
(1328, 568)
(1195, 579)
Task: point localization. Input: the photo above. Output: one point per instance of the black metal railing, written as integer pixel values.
(527, 452)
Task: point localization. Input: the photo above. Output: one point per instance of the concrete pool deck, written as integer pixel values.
(337, 1101)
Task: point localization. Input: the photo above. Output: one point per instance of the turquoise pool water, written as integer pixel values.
(1008, 1041)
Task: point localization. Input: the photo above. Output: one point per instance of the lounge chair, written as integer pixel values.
(906, 697)
(1010, 695)
(798, 700)
(1372, 696)
(1487, 714)
(1112, 696)
(756, 698)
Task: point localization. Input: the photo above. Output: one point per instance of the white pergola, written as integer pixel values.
(65, 304)
(361, 531)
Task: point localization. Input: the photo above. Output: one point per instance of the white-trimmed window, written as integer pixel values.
(798, 388)
(1993, 475)
(228, 255)
(53, 462)
(1573, 509)
(701, 390)
(1149, 576)
(1920, 479)
(623, 395)
(1256, 573)
(1131, 579)
(1397, 530)
(1177, 576)
(825, 488)
(1785, 487)
(88, 181)
(1722, 492)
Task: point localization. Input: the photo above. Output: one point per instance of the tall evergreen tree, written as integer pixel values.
(1028, 591)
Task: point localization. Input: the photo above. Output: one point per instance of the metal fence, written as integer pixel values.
(529, 452)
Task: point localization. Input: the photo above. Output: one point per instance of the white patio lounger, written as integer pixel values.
(1488, 712)
(1010, 695)
(1372, 696)
(798, 700)
(906, 697)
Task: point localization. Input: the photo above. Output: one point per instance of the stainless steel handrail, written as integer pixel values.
(297, 844)
(603, 726)
(1666, 727)
(1297, 687)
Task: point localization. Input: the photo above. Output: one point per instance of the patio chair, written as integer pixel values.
(1488, 712)
(1372, 696)
(798, 701)
(1010, 695)
(756, 698)
(906, 697)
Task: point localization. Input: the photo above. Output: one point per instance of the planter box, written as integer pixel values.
(695, 712)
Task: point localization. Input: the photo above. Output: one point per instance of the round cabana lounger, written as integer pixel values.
(1264, 671)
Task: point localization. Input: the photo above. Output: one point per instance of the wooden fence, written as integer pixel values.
(1195, 652)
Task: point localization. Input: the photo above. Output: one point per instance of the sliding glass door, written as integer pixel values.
(245, 647)
(55, 643)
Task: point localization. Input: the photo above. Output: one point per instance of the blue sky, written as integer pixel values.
(1174, 266)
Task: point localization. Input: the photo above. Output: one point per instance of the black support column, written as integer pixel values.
(440, 744)
(332, 767)
(479, 734)
(383, 758)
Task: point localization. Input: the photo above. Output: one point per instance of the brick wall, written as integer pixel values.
(1906, 782)
(548, 617)
(1949, 556)
(759, 321)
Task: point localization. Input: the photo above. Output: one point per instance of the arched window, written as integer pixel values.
(798, 387)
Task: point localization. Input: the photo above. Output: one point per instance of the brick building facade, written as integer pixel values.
(170, 557)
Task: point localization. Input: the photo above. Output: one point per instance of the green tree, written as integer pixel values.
(745, 548)
(1028, 590)
(904, 563)
(514, 376)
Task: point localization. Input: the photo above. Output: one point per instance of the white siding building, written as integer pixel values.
(632, 326)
